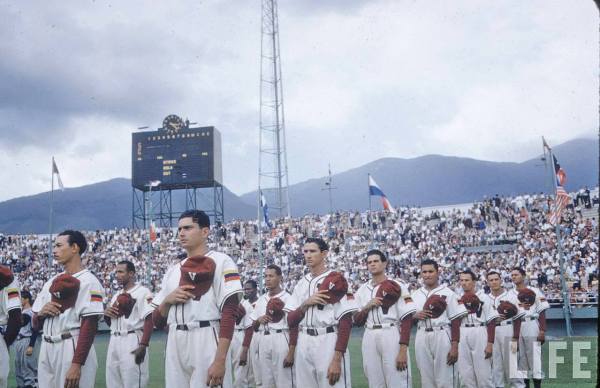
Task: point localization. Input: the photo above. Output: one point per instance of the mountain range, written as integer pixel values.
(423, 181)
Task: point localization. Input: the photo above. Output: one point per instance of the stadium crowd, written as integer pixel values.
(494, 234)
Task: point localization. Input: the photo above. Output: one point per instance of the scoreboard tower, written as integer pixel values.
(174, 159)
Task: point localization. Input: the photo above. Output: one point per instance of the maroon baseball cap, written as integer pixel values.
(336, 286)
(6, 276)
(436, 305)
(198, 271)
(390, 292)
(275, 309)
(64, 291)
(125, 303)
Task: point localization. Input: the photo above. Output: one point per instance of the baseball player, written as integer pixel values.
(129, 316)
(68, 307)
(477, 333)
(438, 329)
(243, 370)
(386, 310)
(198, 300)
(533, 327)
(25, 359)
(323, 309)
(275, 343)
(10, 318)
(504, 361)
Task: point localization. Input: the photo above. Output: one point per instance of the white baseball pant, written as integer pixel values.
(380, 348)
(189, 354)
(431, 351)
(121, 369)
(313, 356)
(474, 369)
(55, 360)
(4, 364)
(242, 375)
(273, 348)
(504, 364)
(530, 351)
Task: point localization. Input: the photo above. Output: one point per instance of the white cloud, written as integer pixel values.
(378, 78)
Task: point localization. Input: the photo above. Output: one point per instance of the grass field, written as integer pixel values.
(564, 371)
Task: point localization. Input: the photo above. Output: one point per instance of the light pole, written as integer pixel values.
(150, 185)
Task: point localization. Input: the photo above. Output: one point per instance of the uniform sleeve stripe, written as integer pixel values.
(92, 314)
(458, 315)
(346, 312)
(227, 297)
(408, 313)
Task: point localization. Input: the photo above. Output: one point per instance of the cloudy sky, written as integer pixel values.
(362, 80)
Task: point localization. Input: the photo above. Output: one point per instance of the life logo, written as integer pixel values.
(331, 285)
(56, 294)
(193, 275)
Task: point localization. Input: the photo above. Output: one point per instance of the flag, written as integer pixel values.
(561, 198)
(152, 232)
(265, 210)
(55, 171)
(375, 190)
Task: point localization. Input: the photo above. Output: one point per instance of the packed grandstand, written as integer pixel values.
(496, 233)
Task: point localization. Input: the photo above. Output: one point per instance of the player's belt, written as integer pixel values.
(57, 338)
(505, 323)
(381, 326)
(433, 328)
(240, 329)
(193, 325)
(122, 333)
(527, 319)
(23, 336)
(472, 324)
(319, 331)
(269, 332)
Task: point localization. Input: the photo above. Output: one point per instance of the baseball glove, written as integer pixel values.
(275, 309)
(125, 303)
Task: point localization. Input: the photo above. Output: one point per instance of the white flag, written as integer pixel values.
(55, 171)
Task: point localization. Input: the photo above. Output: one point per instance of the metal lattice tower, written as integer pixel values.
(272, 164)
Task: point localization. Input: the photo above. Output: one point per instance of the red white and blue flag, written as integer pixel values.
(375, 190)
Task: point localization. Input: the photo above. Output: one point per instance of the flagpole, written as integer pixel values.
(561, 259)
(369, 188)
(259, 248)
(51, 216)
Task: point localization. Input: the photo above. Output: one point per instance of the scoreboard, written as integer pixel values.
(177, 156)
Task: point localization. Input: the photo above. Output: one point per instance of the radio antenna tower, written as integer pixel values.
(272, 161)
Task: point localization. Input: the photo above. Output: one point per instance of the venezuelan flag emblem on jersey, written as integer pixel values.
(12, 293)
(231, 274)
(96, 296)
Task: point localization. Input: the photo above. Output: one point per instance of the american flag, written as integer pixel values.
(561, 200)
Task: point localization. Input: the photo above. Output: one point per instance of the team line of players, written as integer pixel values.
(220, 334)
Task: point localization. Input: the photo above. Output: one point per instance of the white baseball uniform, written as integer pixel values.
(504, 362)
(318, 335)
(243, 376)
(10, 299)
(273, 345)
(433, 341)
(194, 326)
(57, 351)
(474, 369)
(530, 349)
(381, 340)
(126, 333)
